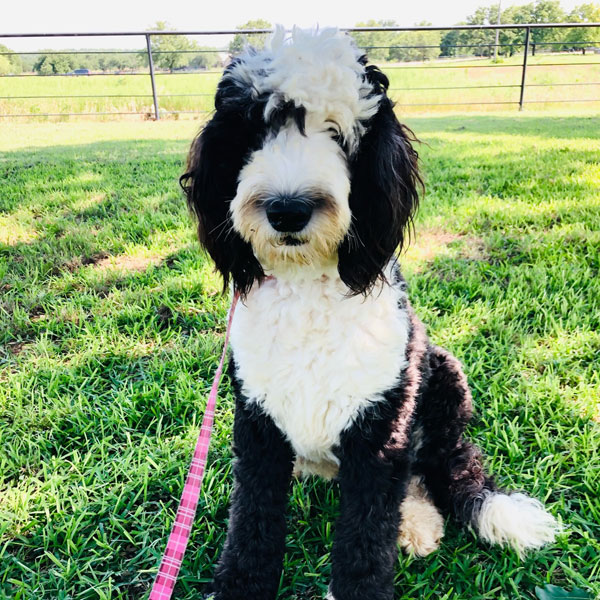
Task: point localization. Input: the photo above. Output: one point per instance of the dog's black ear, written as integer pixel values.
(210, 182)
(384, 194)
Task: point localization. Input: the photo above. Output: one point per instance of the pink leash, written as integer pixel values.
(163, 586)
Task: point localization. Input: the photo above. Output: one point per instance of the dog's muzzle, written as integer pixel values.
(288, 215)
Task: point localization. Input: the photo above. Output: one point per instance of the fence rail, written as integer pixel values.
(527, 46)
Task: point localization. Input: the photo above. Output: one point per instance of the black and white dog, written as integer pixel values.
(304, 183)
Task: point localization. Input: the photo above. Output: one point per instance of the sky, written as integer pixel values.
(58, 16)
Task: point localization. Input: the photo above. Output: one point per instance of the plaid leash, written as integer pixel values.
(163, 586)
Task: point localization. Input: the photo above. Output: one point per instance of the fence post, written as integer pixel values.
(524, 73)
(151, 65)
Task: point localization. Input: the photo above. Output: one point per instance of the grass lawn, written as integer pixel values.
(111, 325)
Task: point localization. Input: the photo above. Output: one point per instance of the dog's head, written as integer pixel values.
(303, 165)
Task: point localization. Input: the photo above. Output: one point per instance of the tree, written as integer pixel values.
(168, 51)
(10, 61)
(577, 37)
(43, 66)
(241, 40)
(417, 45)
(540, 11)
(479, 42)
(5, 66)
(207, 58)
(512, 40)
(89, 60)
(51, 64)
(547, 11)
(449, 42)
(376, 44)
(119, 61)
(28, 60)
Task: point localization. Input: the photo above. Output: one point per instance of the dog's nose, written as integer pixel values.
(288, 215)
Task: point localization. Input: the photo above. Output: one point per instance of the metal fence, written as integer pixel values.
(527, 48)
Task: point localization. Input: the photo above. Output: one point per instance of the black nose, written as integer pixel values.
(288, 214)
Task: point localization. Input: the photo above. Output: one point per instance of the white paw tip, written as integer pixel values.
(516, 520)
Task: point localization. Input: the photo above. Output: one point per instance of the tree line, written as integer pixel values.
(427, 45)
(480, 42)
(175, 52)
(404, 46)
(169, 52)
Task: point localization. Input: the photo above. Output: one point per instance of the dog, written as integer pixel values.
(304, 185)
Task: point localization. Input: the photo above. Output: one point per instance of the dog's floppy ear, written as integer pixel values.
(210, 182)
(384, 193)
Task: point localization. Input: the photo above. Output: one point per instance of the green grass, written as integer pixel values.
(406, 82)
(111, 325)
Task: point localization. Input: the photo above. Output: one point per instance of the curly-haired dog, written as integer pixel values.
(303, 183)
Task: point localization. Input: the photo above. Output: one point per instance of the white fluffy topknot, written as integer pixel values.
(318, 69)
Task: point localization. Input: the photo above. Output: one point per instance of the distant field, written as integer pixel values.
(407, 81)
(111, 323)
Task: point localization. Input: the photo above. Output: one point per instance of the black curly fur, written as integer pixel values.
(452, 466)
(251, 561)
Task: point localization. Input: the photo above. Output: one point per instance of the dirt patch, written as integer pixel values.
(15, 348)
(127, 263)
(105, 262)
(94, 259)
(37, 313)
(165, 317)
(472, 247)
(83, 261)
(431, 243)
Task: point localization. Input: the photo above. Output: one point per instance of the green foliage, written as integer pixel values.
(207, 59)
(479, 42)
(376, 43)
(418, 45)
(52, 64)
(449, 41)
(512, 40)
(114, 61)
(546, 11)
(168, 51)
(577, 37)
(241, 40)
(10, 63)
(5, 66)
(553, 592)
(397, 46)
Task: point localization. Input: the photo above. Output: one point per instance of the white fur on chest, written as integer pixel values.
(314, 358)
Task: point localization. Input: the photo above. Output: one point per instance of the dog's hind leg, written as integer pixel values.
(452, 468)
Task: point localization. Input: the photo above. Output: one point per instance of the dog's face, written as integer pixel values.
(303, 165)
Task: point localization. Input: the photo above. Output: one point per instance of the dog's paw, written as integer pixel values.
(422, 525)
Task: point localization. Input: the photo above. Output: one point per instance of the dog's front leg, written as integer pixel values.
(365, 547)
(251, 561)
